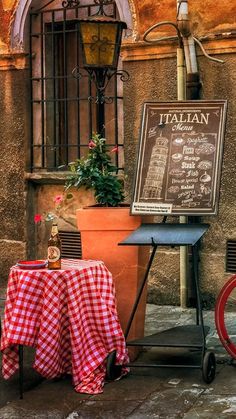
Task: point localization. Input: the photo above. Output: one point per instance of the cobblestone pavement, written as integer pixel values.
(145, 393)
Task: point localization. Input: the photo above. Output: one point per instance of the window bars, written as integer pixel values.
(63, 108)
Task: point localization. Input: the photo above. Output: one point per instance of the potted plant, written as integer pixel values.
(104, 225)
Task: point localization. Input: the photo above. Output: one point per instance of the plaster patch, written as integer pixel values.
(7, 4)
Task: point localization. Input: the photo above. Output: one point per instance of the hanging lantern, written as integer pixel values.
(101, 39)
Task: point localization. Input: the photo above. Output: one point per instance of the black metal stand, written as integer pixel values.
(188, 336)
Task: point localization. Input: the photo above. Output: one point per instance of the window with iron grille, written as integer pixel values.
(63, 107)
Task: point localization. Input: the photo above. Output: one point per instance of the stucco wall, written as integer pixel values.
(156, 80)
(205, 16)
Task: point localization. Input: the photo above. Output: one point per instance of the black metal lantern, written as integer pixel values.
(100, 37)
(101, 40)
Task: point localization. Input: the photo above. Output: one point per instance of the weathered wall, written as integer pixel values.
(13, 111)
(45, 195)
(156, 80)
(7, 8)
(205, 16)
(219, 82)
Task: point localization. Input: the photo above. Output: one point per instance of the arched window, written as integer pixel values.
(63, 107)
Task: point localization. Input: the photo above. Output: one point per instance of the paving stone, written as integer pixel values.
(18, 412)
(131, 387)
(170, 403)
(225, 382)
(104, 410)
(50, 399)
(213, 406)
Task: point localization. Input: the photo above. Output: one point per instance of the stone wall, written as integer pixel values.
(13, 142)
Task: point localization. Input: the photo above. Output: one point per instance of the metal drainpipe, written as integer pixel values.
(188, 40)
(183, 262)
(193, 77)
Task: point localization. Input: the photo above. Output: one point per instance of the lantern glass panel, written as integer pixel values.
(99, 43)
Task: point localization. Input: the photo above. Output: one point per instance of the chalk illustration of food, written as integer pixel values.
(205, 148)
(206, 190)
(191, 204)
(178, 173)
(179, 141)
(205, 177)
(177, 157)
(205, 165)
(173, 189)
(154, 180)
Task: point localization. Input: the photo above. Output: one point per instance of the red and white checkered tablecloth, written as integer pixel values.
(69, 316)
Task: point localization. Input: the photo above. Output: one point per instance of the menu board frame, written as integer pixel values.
(180, 155)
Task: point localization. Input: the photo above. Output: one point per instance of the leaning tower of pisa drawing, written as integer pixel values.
(157, 165)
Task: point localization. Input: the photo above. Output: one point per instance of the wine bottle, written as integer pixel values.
(54, 249)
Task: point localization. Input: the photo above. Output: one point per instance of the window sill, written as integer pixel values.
(47, 178)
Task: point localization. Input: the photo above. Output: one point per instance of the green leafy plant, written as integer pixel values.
(96, 171)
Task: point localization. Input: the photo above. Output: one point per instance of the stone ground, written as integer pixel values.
(145, 393)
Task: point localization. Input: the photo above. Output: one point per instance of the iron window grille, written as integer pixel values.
(63, 108)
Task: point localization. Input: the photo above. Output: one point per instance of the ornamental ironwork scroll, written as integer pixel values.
(67, 4)
(179, 160)
(70, 3)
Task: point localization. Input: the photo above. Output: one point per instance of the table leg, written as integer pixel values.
(21, 375)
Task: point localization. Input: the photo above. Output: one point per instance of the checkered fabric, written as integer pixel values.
(69, 316)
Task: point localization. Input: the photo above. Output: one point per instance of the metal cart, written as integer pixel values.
(191, 337)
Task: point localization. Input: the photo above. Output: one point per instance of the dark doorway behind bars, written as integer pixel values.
(63, 108)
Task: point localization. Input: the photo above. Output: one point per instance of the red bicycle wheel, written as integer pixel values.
(225, 316)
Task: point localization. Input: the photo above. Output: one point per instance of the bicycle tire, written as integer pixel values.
(222, 303)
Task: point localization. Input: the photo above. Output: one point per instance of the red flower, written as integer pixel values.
(58, 199)
(91, 144)
(38, 218)
(115, 149)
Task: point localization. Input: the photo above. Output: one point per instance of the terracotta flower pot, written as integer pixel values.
(102, 228)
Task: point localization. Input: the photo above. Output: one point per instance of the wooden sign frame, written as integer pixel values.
(179, 158)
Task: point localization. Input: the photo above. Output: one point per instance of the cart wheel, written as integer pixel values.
(112, 371)
(209, 367)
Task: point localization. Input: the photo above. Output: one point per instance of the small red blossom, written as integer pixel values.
(91, 144)
(58, 199)
(115, 149)
(38, 218)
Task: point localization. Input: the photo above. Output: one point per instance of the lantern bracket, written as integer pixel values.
(101, 78)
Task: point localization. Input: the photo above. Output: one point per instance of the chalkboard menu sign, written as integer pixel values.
(179, 158)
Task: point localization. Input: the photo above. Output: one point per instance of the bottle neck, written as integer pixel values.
(54, 230)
